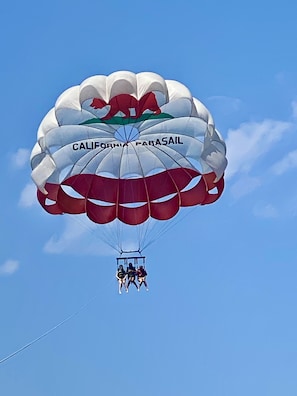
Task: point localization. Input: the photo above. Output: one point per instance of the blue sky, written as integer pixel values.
(219, 319)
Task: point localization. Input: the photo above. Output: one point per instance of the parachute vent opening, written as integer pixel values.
(213, 191)
(71, 192)
(127, 133)
(164, 199)
(49, 202)
(133, 205)
(155, 171)
(192, 184)
(100, 203)
(130, 175)
(108, 175)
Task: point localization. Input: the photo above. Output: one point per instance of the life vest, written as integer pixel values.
(141, 272)
(121, 274)
(131, 272)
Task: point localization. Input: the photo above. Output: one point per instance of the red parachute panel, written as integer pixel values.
(132, 201)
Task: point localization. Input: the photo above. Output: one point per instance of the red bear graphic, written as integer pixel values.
(125, 103)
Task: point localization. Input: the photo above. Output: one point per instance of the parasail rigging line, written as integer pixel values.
(67, 319)
(168, 227)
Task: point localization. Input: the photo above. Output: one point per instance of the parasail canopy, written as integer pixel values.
(127, 147)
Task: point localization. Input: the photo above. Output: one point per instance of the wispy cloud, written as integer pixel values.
(280, 77)
(20, 158)
(243, 186)
(251, 141)
(78, 237)
(286, 164)
(9, 267)
(266, 210)
(294, 109)
(225, 104)
(28, 196)
(67, 239)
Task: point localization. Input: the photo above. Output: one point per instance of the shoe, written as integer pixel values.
(147, 289)
(138, 289)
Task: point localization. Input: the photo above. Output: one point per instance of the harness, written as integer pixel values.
(121, 274)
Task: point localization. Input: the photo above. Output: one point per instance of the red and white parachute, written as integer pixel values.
(127, 148)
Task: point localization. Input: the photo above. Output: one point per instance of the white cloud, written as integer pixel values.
(78, 237)
(280, 77)
(67, 240)
(265, 210)
(28, 196)
(287, 163)
(251, 141)
(244, 186)
(294, 109)
(9, 267)
(20, 158)
(225, 104)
